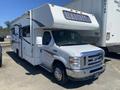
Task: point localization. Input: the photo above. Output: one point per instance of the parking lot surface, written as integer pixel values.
(17, 74)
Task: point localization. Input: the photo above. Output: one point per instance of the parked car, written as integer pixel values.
(0, 56)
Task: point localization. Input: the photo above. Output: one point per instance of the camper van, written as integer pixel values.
(107, 13)
(50, 36)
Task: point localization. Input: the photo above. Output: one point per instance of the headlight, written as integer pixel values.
(74, 62)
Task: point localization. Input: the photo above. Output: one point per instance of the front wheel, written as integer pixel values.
(60, 74)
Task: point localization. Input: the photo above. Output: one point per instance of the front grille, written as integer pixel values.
(94, 59)
(94, 55)
(94, 63)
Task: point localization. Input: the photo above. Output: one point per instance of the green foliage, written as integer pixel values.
(7, 23)
(4, 32)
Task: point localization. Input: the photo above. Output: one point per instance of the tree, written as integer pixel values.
(7, 23)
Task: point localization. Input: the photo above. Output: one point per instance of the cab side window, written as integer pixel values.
(46, 38)
(26, 31)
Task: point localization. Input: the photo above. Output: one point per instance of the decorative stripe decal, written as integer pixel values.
(51, 53)
(26, 41)
(37, 22)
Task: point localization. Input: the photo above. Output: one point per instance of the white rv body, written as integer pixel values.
(31, 32)
(107, 13)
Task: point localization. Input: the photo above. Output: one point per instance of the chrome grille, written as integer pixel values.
(95, 59)
(92, 60)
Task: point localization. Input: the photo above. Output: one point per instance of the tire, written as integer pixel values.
(60, 74)
(107, 53)
(17, 52)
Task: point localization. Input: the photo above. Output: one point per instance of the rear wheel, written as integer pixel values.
(60, 74)
(17, 52)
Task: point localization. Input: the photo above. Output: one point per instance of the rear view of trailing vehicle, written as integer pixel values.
(107, 13)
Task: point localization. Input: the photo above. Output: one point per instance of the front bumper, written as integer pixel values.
(85, 73)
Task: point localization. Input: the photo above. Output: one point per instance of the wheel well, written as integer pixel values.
(57, 62)
(17, 51)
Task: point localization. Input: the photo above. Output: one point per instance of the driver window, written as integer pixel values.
(46, 38)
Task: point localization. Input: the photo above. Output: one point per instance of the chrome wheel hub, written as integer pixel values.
(58, 74)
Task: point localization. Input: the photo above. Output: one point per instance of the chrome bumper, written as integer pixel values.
(85, 73)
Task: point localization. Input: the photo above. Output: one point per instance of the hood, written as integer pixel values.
(79, 50)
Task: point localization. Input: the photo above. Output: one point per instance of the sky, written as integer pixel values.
(10, 9)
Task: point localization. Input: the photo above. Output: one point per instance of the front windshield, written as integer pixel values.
(66, 37)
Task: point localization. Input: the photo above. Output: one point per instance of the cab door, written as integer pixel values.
(46, 51)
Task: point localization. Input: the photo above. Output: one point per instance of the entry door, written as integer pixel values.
(26, 43)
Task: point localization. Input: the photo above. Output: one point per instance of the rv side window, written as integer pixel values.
(26, 31)
(46, 38)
